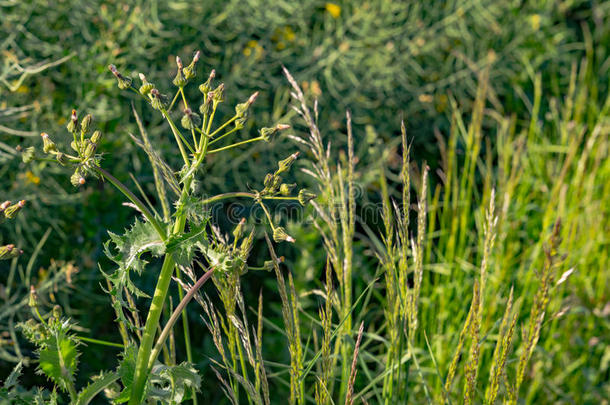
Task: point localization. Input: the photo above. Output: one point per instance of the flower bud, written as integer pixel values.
(33, 301)
(268, 182)
(286, 189)
(219, 93)
(190, 120)
(12, 211)
(146, 86)
(239, 229)
(28, 155)
(267, 133)
(8, 252)
(77, 178)
(179, 80)
(284, 165)
(96, 137)
(280, 235)
(158, 100)
(85, 124)
(305, 196)
(4, 205)
(189, 71)
(57, 311)
(207, 86)
(73, 124)
(123, 81)
(48, 144)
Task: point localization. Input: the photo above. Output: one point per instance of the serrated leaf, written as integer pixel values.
(129, 247)
(58, 360)
(184, 246)
(13, 378)
(172, 384)
(95, 387)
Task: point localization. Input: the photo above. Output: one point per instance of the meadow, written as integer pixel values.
(317, 202)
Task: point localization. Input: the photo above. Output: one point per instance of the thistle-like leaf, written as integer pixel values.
(97, 384)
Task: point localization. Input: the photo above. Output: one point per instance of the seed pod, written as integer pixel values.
(48, 145)
(305, 196)
(280, 235)
(12, 211)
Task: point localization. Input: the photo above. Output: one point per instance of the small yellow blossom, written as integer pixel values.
(535, 20)
(333, 9)
(32, 178)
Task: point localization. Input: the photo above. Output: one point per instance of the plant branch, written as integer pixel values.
(177, 311)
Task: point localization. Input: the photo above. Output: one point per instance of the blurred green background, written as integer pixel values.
(384, 60)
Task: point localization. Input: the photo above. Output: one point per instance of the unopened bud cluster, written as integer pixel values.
(8, 210)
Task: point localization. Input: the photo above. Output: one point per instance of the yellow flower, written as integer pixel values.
(32, 178)
(333, 9)
(535, 20)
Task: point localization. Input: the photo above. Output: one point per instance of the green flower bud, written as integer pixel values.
(206, 87)
(284, 165)
(123, 81)
(73, 124)
(179, 80)
(158, 100)
(146, 87)
(280, 235)
(305, 196)
(8, 252)
(268, 182)
(239, 229)
(241, 110)
(190, 120)
(77, 178)
(267, 133)
(28, 155)
(89, 149)
(33, 301)
(96, 137)
(12, 211)
(268, 265)
(85, 124)
(246, 245)
(219, 93)
(75, 145)
(48, 144)
(57, 312)
(286, 189)
(189, 71)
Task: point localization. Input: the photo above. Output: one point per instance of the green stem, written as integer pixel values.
(174, 317)
(217, 130)
(236, 144)
(131, 196)
(99, 342)
(178, 136)
(156, 307)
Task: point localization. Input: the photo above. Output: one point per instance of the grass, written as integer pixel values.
(476, 274)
